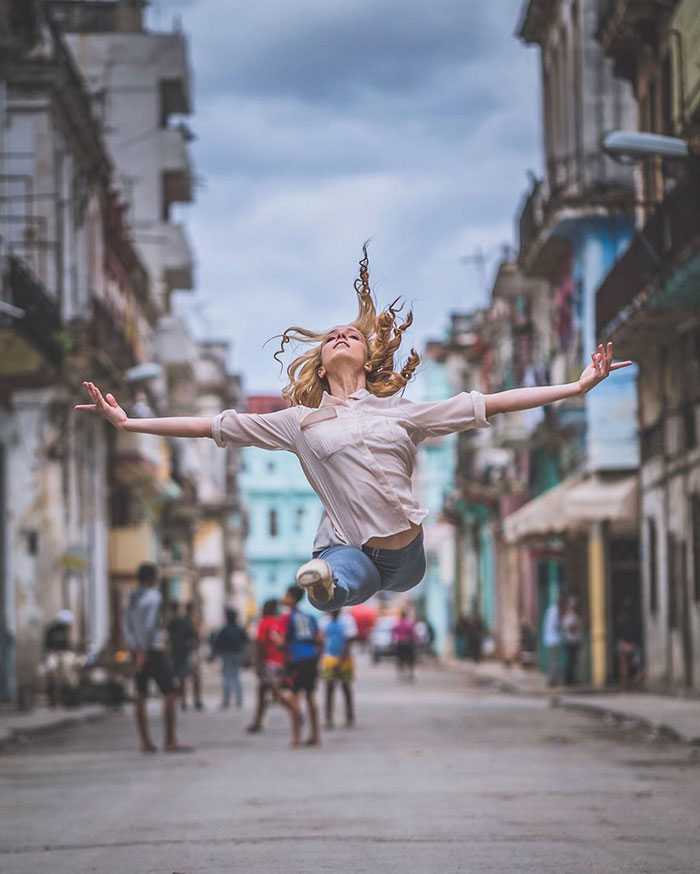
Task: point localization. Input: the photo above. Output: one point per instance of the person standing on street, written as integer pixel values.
(269, 663)
(404, 636)
(302, 645)
(551, 637)
(195, 673)
(183, 642)
(145, 635)
(572, 638)
(338, 664)
(229, 644)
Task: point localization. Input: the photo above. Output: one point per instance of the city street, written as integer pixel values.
(438, 776)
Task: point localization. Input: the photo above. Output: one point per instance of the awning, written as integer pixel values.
(573, 505)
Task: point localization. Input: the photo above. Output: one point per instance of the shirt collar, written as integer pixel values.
(327, 399)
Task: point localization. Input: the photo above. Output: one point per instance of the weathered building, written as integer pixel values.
(574, 224)
(75, 303)
(649, 303)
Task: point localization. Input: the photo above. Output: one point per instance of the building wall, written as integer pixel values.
(273, 483)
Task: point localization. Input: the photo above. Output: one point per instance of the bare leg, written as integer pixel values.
(330, 694)
(256, 724)
(349, 707)
(296, 721)
(315, 737)
(169, 716)
(147, 745)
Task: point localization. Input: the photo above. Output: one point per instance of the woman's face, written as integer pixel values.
(343, 346)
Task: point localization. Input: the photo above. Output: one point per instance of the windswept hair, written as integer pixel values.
(383, 333)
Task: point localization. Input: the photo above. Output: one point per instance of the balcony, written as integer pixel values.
(174, 347)
(177, 258)
(109, 339)
(625, 27)
(575, 186)
(31, 345)
(140, 461)
(176, 166)
(658, 274)
(174, 74)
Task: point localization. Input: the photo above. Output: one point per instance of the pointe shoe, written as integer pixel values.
(317, 578)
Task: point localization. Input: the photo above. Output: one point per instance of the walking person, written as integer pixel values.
(302, 646)
(356, 436)
(572, 638)
(145, 634)
(269, 664)
(183, 641)
(194, 673)
(404, 637)
(229, 645)
(551, 637)
(338, 665)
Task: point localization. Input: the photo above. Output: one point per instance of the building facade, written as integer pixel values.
(649, 303)
(281, 509)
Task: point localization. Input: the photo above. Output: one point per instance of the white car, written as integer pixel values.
(381, 644)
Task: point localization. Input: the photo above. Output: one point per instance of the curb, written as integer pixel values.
(21, 735)
(661, 728)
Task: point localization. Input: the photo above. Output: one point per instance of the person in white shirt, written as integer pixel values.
(356, 438)
(551, 637)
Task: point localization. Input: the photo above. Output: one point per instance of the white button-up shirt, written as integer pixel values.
(358, 455)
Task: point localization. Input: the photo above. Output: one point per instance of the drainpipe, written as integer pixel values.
(597, 578)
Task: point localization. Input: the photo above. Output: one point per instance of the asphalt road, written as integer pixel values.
(437, 776)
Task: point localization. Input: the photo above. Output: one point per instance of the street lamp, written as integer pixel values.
(631, 146)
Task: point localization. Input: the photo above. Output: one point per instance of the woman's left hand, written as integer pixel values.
(600, 366)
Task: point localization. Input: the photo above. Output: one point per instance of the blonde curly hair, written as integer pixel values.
(383, 333)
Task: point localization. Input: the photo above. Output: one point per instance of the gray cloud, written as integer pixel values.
(320, 126)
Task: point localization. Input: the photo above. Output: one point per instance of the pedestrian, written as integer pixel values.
(461, 631)
(338, 665)
(355, 435)
(628, 644)
(269, 664)
(229, 645)
(551, 637)
(302, 647)
(572, 638)
(194, 673)
(403, 635)
(183, 642)
(145, 634)
(61, 665)
(476, 633)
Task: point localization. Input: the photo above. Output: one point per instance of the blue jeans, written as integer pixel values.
(360, 573)
(231, 676)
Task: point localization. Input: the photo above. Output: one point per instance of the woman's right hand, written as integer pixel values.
(107, 406)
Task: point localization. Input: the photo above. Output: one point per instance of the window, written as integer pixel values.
(272, 523)
(695, 523)
(672, 583)
(299, 519)
(652, 552)
(270, 466)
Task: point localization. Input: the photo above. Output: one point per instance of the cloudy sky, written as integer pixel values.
(320, 124)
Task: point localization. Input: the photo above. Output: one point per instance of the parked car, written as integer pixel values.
(381, 644)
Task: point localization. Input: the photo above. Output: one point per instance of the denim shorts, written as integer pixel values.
(360, 573)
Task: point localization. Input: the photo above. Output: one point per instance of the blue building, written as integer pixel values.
(282, 512)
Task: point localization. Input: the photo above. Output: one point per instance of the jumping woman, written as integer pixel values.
(355, 437)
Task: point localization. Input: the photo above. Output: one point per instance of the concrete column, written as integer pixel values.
(597, 602)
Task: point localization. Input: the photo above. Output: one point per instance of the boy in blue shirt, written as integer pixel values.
(302, 646)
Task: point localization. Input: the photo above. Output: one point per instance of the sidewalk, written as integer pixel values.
(17, 727)
(676, 717)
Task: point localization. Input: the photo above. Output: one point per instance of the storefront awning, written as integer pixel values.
(573, 505)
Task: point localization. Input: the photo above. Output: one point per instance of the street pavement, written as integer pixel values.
(437, 776)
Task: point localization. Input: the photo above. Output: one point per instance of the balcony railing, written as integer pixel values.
(110, 339)
(673, 227)
(41, 323)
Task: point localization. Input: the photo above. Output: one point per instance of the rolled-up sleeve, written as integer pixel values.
(276, 430)
(437, 418)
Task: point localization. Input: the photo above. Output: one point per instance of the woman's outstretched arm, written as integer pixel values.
(176, 426)
(538, 396)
